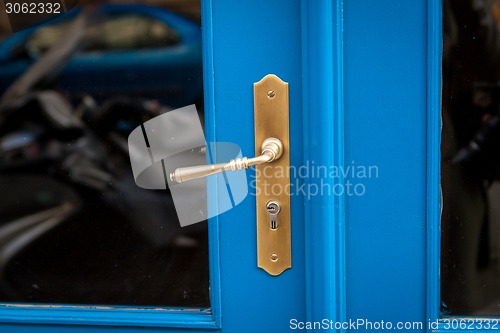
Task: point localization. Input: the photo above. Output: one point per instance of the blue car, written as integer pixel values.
(132, 50)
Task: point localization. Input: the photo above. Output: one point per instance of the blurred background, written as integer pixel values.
(74, 226)
(186, 8)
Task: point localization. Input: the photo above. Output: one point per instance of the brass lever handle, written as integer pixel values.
(271, 150)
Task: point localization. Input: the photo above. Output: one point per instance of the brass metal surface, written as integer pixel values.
(271, 149)
(271, 115)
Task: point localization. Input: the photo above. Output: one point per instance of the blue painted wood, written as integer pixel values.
(252, 39)
(238, 51)
(385, 99)
(114, 317)
(31, 328)
(434, 56)
(210, 135)
(322, 65)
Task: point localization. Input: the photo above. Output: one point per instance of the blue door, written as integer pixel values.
(365, 128)
(242, 43)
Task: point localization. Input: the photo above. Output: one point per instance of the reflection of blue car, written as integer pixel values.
(134, 50)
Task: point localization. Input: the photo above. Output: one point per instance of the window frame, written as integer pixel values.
(126, 316)
(434, 59)
(436, 321)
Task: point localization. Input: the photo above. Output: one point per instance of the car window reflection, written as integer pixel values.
(115, 33)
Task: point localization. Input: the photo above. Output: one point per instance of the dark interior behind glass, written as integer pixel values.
(74, 226)
(470, 241)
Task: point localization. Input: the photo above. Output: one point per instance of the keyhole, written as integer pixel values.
(273, 208)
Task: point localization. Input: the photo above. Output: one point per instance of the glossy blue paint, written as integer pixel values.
(210, 135)
(385, 94)
(323, 112)
(30, 328)
(434, 56)
(252, 39)
(101, 316)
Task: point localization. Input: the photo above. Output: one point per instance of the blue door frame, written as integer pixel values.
(391, 93)
(364, 82)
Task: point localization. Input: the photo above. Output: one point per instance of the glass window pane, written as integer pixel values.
(74, 226)
(470, 241)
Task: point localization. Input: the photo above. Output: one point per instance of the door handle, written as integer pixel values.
(271, 150)
(272, 174)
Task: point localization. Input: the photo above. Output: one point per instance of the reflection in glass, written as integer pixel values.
(74, 226)
(470, 242)
(118, 32)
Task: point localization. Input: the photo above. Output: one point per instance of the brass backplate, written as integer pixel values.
(271, 113)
